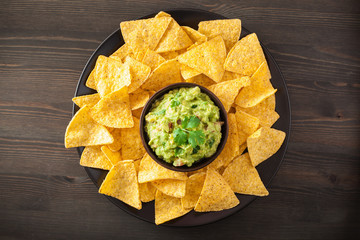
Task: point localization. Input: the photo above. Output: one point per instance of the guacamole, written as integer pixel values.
(183, 126)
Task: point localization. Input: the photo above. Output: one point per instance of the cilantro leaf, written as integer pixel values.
(178, 151)
(174, 103)
(196, 138)
(196, 149)
(184, 122)
(193, 122)
(180, 137)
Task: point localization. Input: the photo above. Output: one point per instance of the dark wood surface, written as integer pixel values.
(45, 194)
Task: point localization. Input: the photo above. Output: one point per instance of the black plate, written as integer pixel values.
(267, 169)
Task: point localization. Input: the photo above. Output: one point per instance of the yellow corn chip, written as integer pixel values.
(137, 113)
(169, 55)
(171, 187)
(131, 145)
(113, 110)
(165, 74)
(152, 59)
(194, 35)
(228, 29)
(243, 177)
(144, 33)
(151, 171)
(167, 208)
(89, 100)
(116, 145)
(116, 58)
(207, 58)
(188, 72)
(194, 185)
(202, 80)
(227, 91)
(216, 194)
(147, 190)
(84, 131)
(246, 56)
(121, 183)
(197, 171)
(246, 125)
(174, 38)
(94, 158)
(264, 143)
(231, 76)
(124, 51)
(139, 72)
(139, 54)
(269, 102)
(138, 98)
(90, 82)
(162, 14)
(113, 157)
(266, 116)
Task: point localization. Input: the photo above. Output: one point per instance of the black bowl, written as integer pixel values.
(202, 162)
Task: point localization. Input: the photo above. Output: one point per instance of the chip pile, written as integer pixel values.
(158, 52)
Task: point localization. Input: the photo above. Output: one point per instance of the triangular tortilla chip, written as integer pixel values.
(152, 59)
(162, 14)
(93, 157)
(124, 51)
(188, 72)
(216, 194)
(139, 72)
(121, 183)
(207, 58)
(165, 74)
(90, 82)
(230, 76)
(137, 112)
(89, 100)
(116, 145)
(131, 147)
(147, 190)
(259, 88)
(194, 185)
(202, 80)
(144, 33)
(113, 157)
(195, 36)
(246, 125)
(243, 177)
(84, 131)
(227, 91)
(228, 29)
(264, 143)
(151, 171)
(113, 110)
(171, 187)
(138, 98)
(169, 55)
(167, 208)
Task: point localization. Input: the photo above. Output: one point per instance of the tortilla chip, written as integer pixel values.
(162, 14)
(139, 72)
(84, 131)
(174, 38)
(207, 58)
(167, 208)
(138, 98)
(90, 82)
(246, 56)
(124, 51)
(264, 143)
(121, 183)
(165, 74)
(194, 35)
(131, 144)
(113, 157)
(152, 59)
(151, 171)
(113, 110)
(188, 72)
(216, 194)
(228, 29)
(144, 33)
(230, 76)
(227, 91)
(169, 55)
(116, 145)
(194, 185)
(89, 100)
(201, 80)
(246, 125)
(243, 177)
(147, 190)
(197, 171)
(137, 113)
(139, 54)
(171, 187)
(94, 158)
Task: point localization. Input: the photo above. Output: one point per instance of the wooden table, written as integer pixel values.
(45, 194)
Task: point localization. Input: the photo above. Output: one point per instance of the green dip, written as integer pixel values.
(183, 126)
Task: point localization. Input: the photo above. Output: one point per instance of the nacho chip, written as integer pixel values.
(174, 38)
(113, 110)
(138, 98)
(89, 100)
(113, 157)
(228, 29)
(116, 145)
(266, 116)
(162, 14)
(152, 59)
(131, 145)
(246, 56)
(264, 143)
(194, 35)
(246, 125)
(171, 187)
(147, 190)
(207, 58)
(243, 177)
(90, 82)
(169, 55)
(139, 72)
(202, 80)
(84, 131)
(151, 171)
(144, 33)
(165, 74)
(188, 72)
(269, 102)
(94, 158)
(227, 91)
(139, 54)
(230, 76)
(121, 183)
(216, 194)
(137, 113)
(124, 51)
(194, 185)
(167, 208)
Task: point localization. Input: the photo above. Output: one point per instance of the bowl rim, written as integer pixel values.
(202, 162)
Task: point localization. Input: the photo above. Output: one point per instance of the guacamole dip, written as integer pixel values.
(183, 126)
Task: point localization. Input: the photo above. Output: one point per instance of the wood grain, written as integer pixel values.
(45, 194)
